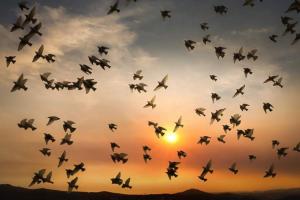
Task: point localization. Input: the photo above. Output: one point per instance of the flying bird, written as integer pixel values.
(114, 145)
(178, 124)
(244, 107)
(72, 184)
(239, 91)
(206, 39)
(165, 14)
(200, 111)
(114, 8)
(206, 169)
(226, 128)
(295, 6)
(27, 123)
(204, 139)
(215, 97)
(189, 44)
(181, 154)
(19, 84)
(220, 52)
(273, 38)
(270, 172)
(216, 115)
(213, 77)
(62, 159)
(103, 50)
(162, 83)
(9, 60)
(247, 71)
(38, 54)
(48, 137)
(68, 125)
(233, 168)
(204, 26)
(117, 180)
(238, 56)
(267, 107)
(252, 55)
(52, 119)
(221, 138)
(138, 75)
(151, 103)
(112, 126)
(127, 184)
(23, 5)
(45, 151)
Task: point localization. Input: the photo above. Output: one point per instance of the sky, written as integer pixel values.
(140, 39)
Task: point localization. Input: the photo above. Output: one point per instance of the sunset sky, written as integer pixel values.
(139, 38)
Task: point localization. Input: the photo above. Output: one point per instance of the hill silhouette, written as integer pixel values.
(8, 192)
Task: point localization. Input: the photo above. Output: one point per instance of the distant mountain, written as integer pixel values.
(8, 192)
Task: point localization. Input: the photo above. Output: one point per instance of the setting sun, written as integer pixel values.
(171, 137)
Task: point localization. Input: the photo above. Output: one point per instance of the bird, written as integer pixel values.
(297, 147)
(67, 139)
(244, 107)
(126, 184)
(17, 25)
(38, 177)
(36, 29)
(103, 50)
(147, 157)
(206, 169)
(247, 71)
(151, 103)
(248, 133)
(204, 26)
(221, 138)
(138, 75)
(114, 8)
(112, 126)
(38, 54)
(30, 17)
(52, 119)
(25, 40)
(296, 39)
(281, 152)
(233, 168)
(216, 115)
(146, 148)
(119, 157)
(295, 6)
(239, 55)
(181, 154)
(278, 82)
(251, 54)
(239, 91)
(213, 77)
(226, 128)
(154, 124)
(165, 14)
(221, 9)
(72, 184)
(45, 151)
(172, 169)
(200, 111)
(48, 137)
(68, 125)
(275, 143)
(204, 139)
(235, 120)
(19, 84)
(89, 84)
(273, 38)
(86, 69)
(48, 178)
(140, 87)
(162, 83)
(178, 124)
(27, 123)
(62, 159)
(215, 97)
(206, 39)
(117, 180)
(9, 60)
(114, 145)
(220, 52)
(267, 106)
(252, 157)
(271, 79)
(189, 44)
(248, 3)
(159, 131)
(50, 58)
(270, 172)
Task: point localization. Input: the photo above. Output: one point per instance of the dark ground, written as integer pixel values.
(8, 192)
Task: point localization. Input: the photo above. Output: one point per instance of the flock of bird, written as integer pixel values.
(89, 84)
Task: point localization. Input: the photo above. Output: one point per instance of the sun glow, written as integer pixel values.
(171, 137)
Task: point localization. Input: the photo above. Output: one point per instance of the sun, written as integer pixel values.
(171, 137)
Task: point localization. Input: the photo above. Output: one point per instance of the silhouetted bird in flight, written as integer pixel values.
(114, 145)
(27, 123)
(270, 172)
(48, 137)
(45, 151)
(23, 5)
(239, 55)
(220, 52)
(226, 128)
(19, 84)
(178, 124)
(62, 158)
(103, 50)
(244, 107)
(72, 184)
(38, 54)
(114, 8)
(138, 75)
(162, 83)
(68, 125)
(267, 107)
(200, 111)
(126, 184)
(247, 71)
(189, 44)
(295, 6)
(273, 38)
(9, 60)
(151, 103)
(181, 154)
(117, 180)
(281, 152)
(239, 91)
(67, 139)
(275, 143)
(206, 39)
(165, 14)
(216, 115)
(233, 168)
(221, 138)
(213, 77)
(112, 126)
(221, 9)
(206, 169)
(204, 26)
(52, 119)
(17, 25)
